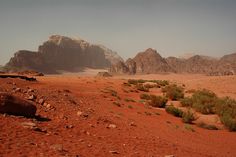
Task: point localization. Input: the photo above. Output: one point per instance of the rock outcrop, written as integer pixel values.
(10, 104)
(150, 61)
(63, 53)
(146, 62)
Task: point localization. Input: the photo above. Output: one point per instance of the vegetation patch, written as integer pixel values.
(173, 92)
(157, 101)
(129, 100)
(188, 117)
(207, 126)
(174, 111)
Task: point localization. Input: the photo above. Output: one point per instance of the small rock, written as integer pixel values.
(89, 145)
(30, 90)
(69, 126)
(29, 125)
(113, 152)
(17, 90)
(31, 97)
(169, 156)
(48, 106)
(132, 124)
(112, 126)
(41, 101)
(79, 113)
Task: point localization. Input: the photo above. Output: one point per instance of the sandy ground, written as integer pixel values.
(83, 120)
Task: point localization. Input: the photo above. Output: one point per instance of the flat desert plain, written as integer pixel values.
(88, 116)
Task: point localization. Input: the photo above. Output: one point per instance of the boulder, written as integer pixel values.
(13, 105)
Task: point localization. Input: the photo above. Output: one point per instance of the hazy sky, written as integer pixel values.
(172, 27)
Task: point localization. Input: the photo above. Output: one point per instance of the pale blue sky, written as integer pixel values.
(172, 27)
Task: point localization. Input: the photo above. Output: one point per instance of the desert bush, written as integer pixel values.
(145, 96)
(141, 87)
(186, 102)
(135, 82)
(204, 101)
(174, 111)
(129, 100)
(226, 109)
(173, 92)
(207, 126)
(188, 117)
(158, 101)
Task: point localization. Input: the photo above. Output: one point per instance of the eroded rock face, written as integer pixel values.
(63, 53)
(146, 62)
(10, 104)
(150, 61)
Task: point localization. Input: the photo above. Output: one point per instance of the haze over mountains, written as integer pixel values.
(62, 53)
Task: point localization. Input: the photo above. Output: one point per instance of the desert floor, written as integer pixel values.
(80, 118)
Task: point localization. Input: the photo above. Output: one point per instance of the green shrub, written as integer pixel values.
(141, 87)
(129, 100)
(228, 121)
(135, 82)
(186, 102)
(204, 101)
(207, 126)
(173, 92)
(174, 111)
(158, 101)
(145, 96)
(188, 117)
(226, 109)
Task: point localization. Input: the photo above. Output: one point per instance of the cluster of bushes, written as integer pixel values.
(155, 101)
(159, 83)
(141, 87)
(173, 92)
(187, 117)
(207, 102)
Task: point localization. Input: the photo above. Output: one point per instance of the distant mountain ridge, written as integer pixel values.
(63, 53)
(150, 61)
(60, 53)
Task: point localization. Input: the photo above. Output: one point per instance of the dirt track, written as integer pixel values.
(105, 129)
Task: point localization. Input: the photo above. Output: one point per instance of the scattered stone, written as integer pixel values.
(48, 106)
(29, 125)
(79, 113)
(69, 126)
(31, 97)
(18, 90)
(30, 90)
(41, 101)
(13, 105)
(112, 126)
(132, 124)
(57, 147)
(32, 126)
(113, 152)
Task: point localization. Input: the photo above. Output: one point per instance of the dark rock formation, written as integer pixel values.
(150, 61)
(13, 105)
(63, 53)
(146, 62)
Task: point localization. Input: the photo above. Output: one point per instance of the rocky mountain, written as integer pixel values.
(63, 53)
(150, 61)
(146, 62)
